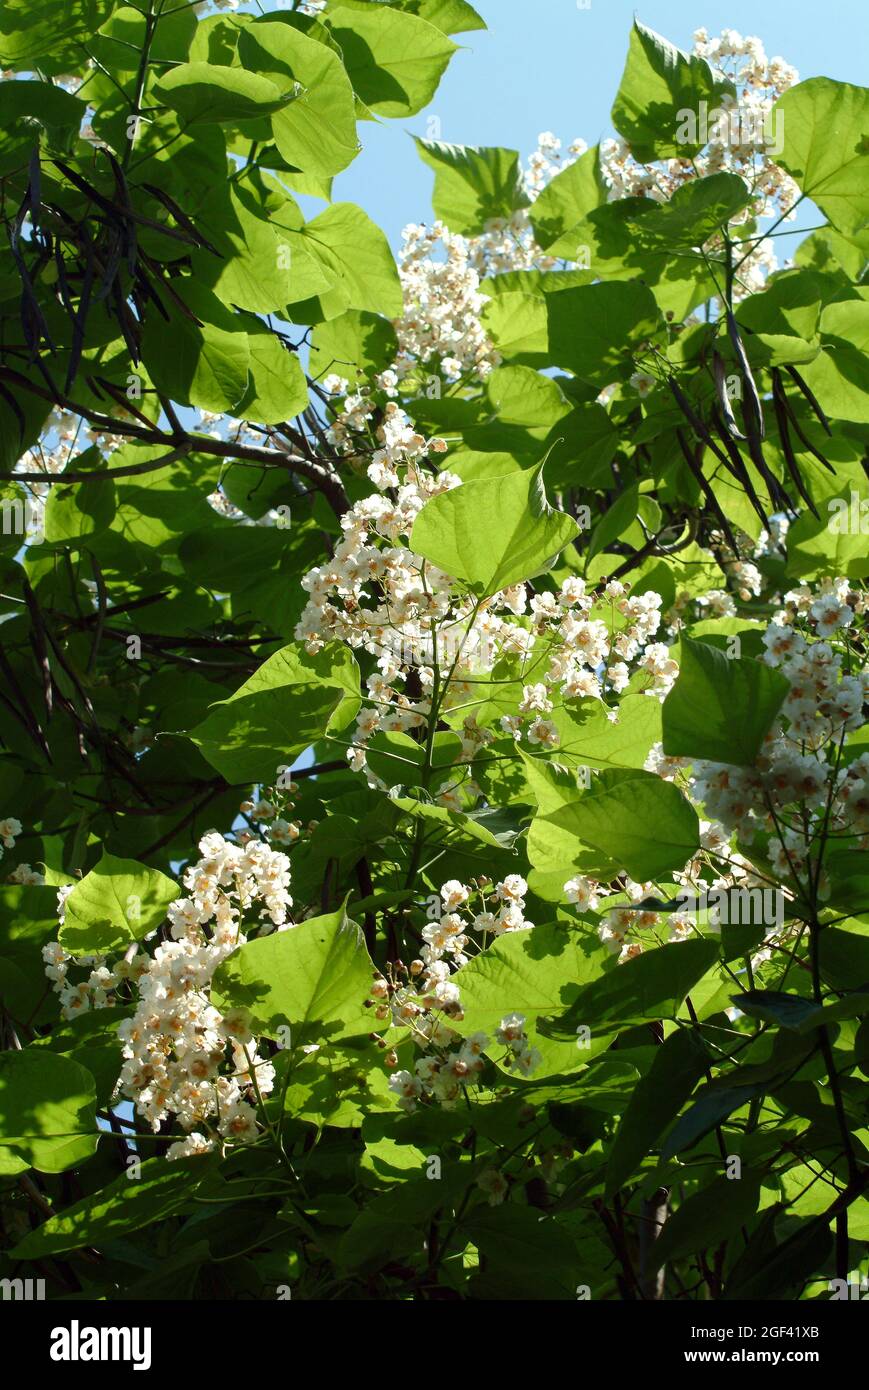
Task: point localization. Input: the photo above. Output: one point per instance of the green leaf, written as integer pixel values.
(40, 101)
(678, 1064)
(592, 328)
(518, 326)
(396, 758)
(278, 390)
(696, 210)
(317, 131)
(47, 1109)
(450, 16)
(469, 825)
(823, 125)
(582, 446)
(595, 740)
(253, 265)
(394, 60)
(768, 1270)
(473, 184)
(206, 364)
(125, 1205)
(839, 376)
(30, 32)
(661, 88)
(209, 93)
(535, 973)
(314, 977)
(76, 510)
(797, 1014)
(355, 255)
(355, 344)
(284, 707)
(119, 901)
(614, 522)
(713, 1105)
(526, 534)
(652, 985)
(720, 708)
(565, 202)
(633, 818)
(527, 1255)
(714, 1214)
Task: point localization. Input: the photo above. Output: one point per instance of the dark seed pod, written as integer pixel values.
(725, 407)
(810, 397)
(695, 421)
(798, 431)
(781, 415)
(706, 488)
(739, 470)
(752, 408)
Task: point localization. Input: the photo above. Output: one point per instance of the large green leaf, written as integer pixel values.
(472, 184)
(630, 817)
(535, 973)
(565, 202)
(592, 328)
(355, 256)
(125, 1205)
(394, 60)
(718, 1211)
(285, 706)
(202, 361)
(207, 92)
(679, 1063)
(314, 977)
(30, 32)
(595, 740)
(659, 84)
(278, 389)
(823, 124)
(38, 101)
(720, 708)
(47, 1109)
(650, 986)
(119, 901)
(839, 376)
(317, 131)
(252, 267)
(525, 534)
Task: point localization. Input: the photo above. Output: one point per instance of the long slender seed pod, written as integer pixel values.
(706, 488)
(781, 416)
(725, 407)
(738, 468)
(695, 421)
(810, 397)
(804, 440)
(778, 495)
(752, 407)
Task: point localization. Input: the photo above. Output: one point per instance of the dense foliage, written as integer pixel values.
(435, 777)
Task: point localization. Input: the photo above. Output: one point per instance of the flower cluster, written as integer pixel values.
(96, 990)
(182, 1057)
(430, 1000)
(740, 138)
(802, 789)
(10, 829)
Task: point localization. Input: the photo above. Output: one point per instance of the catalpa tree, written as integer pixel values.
(435, 780)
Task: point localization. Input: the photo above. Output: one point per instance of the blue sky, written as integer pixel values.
(549, 65)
